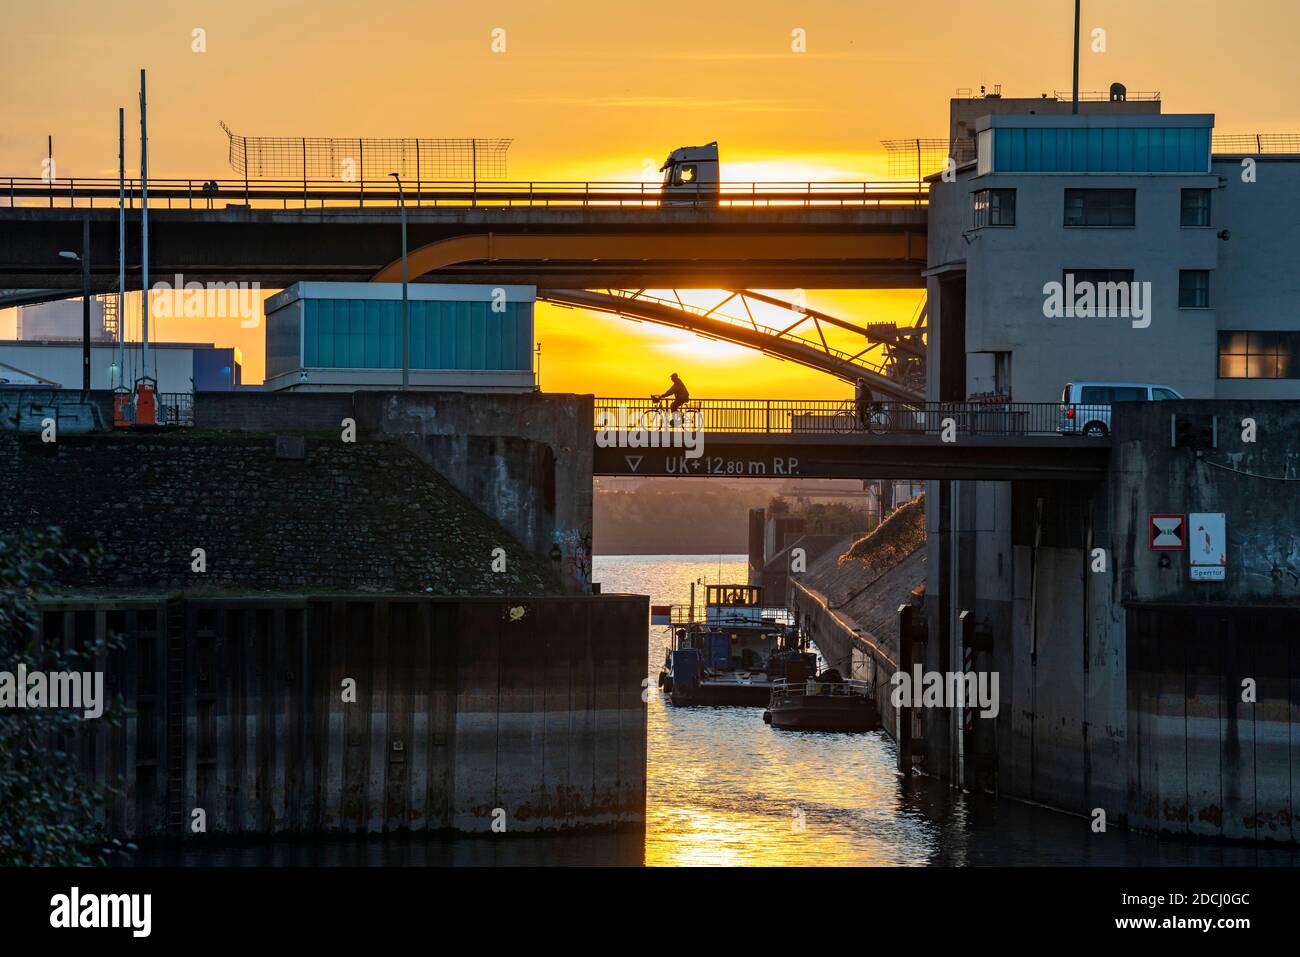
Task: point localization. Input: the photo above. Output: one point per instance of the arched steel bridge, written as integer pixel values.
(891, 360)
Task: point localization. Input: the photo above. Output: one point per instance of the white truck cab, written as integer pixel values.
(691, 176)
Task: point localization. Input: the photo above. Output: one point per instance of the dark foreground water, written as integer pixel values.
(726, 789)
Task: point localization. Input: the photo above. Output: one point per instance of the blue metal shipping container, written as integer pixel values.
(686, 668)
(349, 336)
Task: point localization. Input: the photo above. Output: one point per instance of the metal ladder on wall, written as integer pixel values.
(175, 678)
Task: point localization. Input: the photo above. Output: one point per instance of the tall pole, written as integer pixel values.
(406, 304)
(121, 246)
(144, 230)
(49, 165)
(85, 304)
(1075, 107)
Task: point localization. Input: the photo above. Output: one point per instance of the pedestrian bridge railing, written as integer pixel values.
(834, 416)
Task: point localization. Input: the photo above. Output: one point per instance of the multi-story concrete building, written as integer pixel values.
(1107, 199)
(1122, 670)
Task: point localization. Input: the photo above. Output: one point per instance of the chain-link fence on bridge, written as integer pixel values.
(357, 159)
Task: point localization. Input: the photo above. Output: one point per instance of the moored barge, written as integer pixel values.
(735, 651)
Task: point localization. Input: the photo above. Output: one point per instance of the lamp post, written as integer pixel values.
(84, 259)
(406, 304)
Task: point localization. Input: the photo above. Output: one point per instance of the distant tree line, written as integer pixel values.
(661, 520)
(824, 518)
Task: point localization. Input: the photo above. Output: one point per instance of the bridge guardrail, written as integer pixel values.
(320, 194)
(836, 416)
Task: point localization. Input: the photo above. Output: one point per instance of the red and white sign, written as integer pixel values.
(1207, 546)
(661, 615)
(1168, 533)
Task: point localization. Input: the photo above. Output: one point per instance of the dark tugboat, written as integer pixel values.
(827, 702)
(735, 652)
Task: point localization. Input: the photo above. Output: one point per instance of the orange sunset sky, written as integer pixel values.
(594, 90)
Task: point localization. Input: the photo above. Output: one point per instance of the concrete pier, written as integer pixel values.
(1129, 685)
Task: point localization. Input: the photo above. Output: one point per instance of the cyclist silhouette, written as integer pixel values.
(678, 391)
(864, 402)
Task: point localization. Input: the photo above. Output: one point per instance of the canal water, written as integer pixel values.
(726, 789)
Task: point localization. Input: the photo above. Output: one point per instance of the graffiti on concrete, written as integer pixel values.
(575, 554)
(1272, 554)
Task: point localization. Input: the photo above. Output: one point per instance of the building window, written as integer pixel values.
(1103, 293)
(1196, 207)
(1193, 289)
(995, 207)
(1097, 277)
(1100, 207)
(1259, 355)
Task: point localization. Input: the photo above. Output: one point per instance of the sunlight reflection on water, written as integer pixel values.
(724, 788)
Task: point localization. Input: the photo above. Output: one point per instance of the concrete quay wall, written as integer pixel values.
(366, 715)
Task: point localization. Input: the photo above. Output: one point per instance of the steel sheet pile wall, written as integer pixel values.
(1209, 754)
(526, 712)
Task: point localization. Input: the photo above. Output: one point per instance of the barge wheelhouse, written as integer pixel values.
(735, 651)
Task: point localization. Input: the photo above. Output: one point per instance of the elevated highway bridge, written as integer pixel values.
(551, 235)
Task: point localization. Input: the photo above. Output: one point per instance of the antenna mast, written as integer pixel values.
(1075, 107)
(144, 228)
(121, 245)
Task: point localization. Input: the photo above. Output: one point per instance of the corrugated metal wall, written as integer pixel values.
(367, 334)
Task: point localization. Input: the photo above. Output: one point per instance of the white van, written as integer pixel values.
(691, 176)
(1085, 406)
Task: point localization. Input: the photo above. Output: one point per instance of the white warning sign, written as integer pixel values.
(1167, 533)
(1207, 546)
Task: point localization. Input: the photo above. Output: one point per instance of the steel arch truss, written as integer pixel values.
(891, 359)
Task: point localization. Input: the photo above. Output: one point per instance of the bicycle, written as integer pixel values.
(847, 419)
(660, 416)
